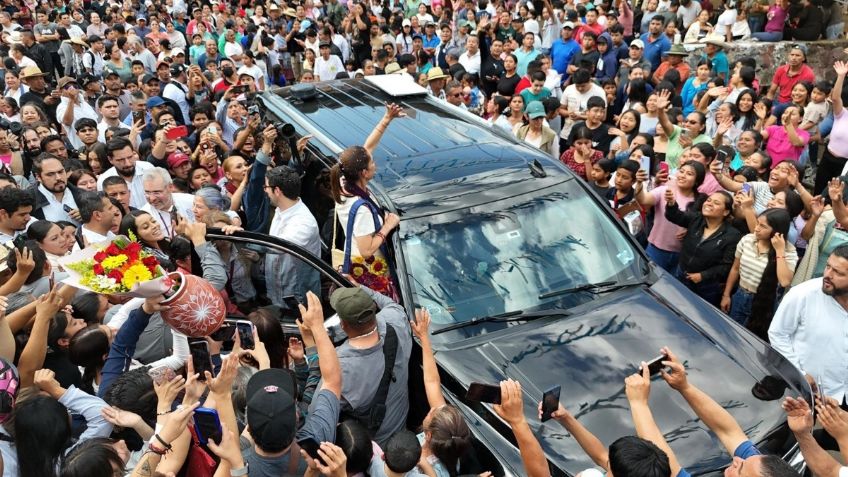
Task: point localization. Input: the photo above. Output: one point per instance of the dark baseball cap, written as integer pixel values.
(271, 408)
(353, 305)
(148, 78)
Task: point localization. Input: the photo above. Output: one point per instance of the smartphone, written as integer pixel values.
(211, 129)
(177, 132)
(201, 358)
(645, 164)
(137, 116)
(746, 188)
(664, 167)
(550, 402)
(67, 208)
(655, 365)
(484, 393)
(207, 425)
(245, 332)
(292, 304)
(311, 447)
(226, 332)
(240, 89)
(161, 375)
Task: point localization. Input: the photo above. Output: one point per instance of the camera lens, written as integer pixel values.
(286, 130)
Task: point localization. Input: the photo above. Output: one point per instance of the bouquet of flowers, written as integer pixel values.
(117, 267)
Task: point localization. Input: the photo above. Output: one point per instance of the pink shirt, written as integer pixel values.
(664, 233)
(839, 135)
(776, 18)
(710, 184)
(779, 147)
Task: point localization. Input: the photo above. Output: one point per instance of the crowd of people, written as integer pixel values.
(136, 119)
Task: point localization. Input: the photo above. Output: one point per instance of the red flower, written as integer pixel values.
(150, 262)
(100, 256)
(98, 269)
(132, 250)
(113, 250)
(116, 275)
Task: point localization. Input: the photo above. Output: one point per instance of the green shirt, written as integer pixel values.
(529, 96)
(674, 149)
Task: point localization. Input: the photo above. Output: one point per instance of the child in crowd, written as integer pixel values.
(601, 174)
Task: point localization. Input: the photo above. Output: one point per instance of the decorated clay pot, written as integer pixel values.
(196, 309)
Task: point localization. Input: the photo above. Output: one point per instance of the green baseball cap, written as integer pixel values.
(535, 109)
(354, 306)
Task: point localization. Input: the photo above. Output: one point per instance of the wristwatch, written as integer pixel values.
(239, 472)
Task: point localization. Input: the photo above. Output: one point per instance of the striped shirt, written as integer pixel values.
(752, 263)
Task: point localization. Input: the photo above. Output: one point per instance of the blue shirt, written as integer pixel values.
(524, 58)
(561, 53)
(719, 65)
(745, 450)
(431, 42)
(654, 49)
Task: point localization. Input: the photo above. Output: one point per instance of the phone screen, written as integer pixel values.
(226, 332)
(138, 116)
(746, 188)
(484, 393)
(201, 359)
(292, 304)
(311, 447)
(550, 402)
(245, 331)
(655, 365)
(207, 425)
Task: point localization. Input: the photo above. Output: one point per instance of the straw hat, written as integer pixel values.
(436, 73)
(717, 40)
(31, 72)
(78, 41)
(392, 68)
(290, 12)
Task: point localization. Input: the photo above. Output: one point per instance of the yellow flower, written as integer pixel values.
(135, 274)
(111, 263)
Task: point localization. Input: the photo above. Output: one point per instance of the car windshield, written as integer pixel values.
(500, 257)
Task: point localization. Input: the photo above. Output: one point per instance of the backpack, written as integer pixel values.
(372, 415)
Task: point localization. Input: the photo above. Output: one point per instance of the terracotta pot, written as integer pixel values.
(196, 309)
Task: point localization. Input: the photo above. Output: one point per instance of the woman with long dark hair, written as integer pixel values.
(763, 262)
(707, 249)
(628, 127)
(663, 245)
(149, 234)
(366, 230)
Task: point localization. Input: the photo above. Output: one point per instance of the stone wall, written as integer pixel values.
(820, 56)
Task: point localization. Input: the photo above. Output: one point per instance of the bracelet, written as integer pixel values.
(780, 256)
(156, 450)
(239, 472)
(381, 235)
(161, 441)
(163, 413)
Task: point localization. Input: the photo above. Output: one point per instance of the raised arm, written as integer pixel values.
(638, 388)
(591, 445)
(511, 410)
(714, 416)
(392, 111)
(836, 95)
(32, 357)
(663, 99)
(800, 421)
(432, 383)
(331, 371)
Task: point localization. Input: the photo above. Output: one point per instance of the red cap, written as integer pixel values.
(176, 159)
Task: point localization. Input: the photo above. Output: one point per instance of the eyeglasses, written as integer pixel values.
(456, 95)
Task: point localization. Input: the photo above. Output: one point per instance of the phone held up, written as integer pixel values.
(490, 393)
(245, 334)
(655, 365)
(311, 446)
(207, 425)
(550, 402)
(201, 358)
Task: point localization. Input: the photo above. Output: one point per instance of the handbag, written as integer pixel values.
(337, 257)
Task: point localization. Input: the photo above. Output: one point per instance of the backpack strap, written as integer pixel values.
(351, 219)
(378, 405)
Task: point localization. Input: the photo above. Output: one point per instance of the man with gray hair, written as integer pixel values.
(143, 55)
(167, 207)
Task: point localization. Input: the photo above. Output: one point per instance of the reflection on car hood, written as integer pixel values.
(589, 355)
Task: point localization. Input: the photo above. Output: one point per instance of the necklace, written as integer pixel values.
(365, 335)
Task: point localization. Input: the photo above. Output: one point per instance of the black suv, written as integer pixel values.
(528, 275)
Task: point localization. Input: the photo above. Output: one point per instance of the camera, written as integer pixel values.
(13, 127)
(285, 130)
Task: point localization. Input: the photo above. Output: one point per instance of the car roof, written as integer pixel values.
(436, 148)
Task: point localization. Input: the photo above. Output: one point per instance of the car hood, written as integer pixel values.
(591, 352)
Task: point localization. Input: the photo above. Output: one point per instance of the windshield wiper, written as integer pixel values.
(516, 315)
(599, 287)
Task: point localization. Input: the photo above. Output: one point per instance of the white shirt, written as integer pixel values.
(81, 110)
(91, 237)
(177, 92)
(343, 45)
(326, 70)
(54, 211)
(136, 187)
(575, 101)
(284, 274)
(182, 202)
(810, 329)
(254, 71)
(471, 63)
(93, 62)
